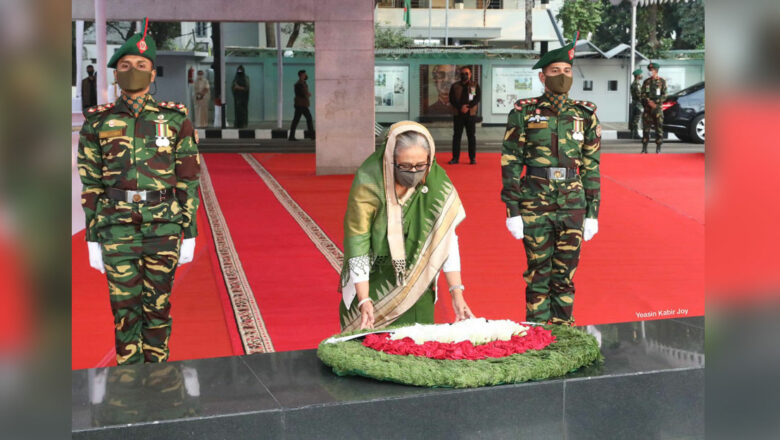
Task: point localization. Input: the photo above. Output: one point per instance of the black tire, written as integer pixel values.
(696, 129)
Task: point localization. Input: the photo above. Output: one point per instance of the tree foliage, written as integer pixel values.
(162, 32)
(670, 26)
(388, 38)
(580, 15)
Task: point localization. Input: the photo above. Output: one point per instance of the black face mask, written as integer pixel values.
(91, 74)
(464, 77)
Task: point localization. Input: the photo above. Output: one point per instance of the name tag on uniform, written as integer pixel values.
(110, 133)
(658, 91)
(542, 124)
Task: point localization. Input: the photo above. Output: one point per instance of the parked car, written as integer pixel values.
(684, 114)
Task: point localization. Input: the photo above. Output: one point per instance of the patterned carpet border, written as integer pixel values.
(320, 239)
(251, 326)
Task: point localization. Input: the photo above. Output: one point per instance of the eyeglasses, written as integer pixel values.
(410, 167)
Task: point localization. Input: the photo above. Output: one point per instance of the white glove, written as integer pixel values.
(590, 228)
(96, 256)
(515, 226)
(187, 250)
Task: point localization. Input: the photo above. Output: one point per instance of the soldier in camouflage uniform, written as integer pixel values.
(653, 97)
(557, 140)
(139, 165)
(636, 104)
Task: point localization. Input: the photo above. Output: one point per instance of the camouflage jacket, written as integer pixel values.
(636, 92)
(654, 90)
(119, 150)
(536, 136)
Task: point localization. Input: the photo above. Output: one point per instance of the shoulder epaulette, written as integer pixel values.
(181, 108)
(95, 110)
(520, 103)
(587, 105)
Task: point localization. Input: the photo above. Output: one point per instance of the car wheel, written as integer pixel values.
(697, 129)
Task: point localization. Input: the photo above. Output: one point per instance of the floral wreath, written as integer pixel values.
(551, 351)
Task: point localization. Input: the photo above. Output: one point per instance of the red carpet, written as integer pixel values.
(673, 180)
(647, 259)
(645, 263)
(293, 284)
(200, 329)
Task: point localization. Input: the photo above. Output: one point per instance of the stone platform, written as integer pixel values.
(650, 386)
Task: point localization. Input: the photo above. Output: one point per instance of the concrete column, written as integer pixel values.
(79, 55)
(344, 78)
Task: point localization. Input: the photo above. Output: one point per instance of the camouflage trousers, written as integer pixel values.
(552, 247)
(653, 118)
(634, 118)
(140, 273)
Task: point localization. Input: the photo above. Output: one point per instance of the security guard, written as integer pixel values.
(558, 141)
(653, 97)
(139, 166)
(636, 104)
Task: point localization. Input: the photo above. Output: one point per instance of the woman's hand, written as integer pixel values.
(367, 315)
(460, 307)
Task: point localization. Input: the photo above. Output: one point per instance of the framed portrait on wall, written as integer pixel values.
(435, 82)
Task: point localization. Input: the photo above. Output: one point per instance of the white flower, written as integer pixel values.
(477, 330)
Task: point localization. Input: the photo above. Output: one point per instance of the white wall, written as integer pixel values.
(611, 104)
(511, 20)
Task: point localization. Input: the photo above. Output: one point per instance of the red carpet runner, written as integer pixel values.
(647, 262)
(291, 281)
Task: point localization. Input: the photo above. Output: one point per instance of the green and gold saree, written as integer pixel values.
(401, 243)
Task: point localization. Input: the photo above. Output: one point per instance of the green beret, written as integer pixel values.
(653, 66)
(637, 72)
(563, 54)
(140, 44)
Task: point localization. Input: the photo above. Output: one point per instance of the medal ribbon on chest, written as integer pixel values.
(579, 128)
(162, 133)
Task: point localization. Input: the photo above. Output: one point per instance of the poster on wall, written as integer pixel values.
(435, 83)
(511, 84)
(391, 88)
(675, 78)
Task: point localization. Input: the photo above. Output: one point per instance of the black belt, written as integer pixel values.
(131, 196)
(552, 173)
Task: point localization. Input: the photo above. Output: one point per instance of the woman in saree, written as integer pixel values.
(399, 233)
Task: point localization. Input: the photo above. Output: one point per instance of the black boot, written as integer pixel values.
(644, 147)
(657, 148)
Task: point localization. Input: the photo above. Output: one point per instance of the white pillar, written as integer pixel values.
(223, 99)
(430, 9)
(100, 47)
(446, 21)
(280, 95)
(79, 55)
(633, 51)
(633, 33)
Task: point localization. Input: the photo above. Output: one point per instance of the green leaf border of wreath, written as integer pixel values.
(571, 350)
